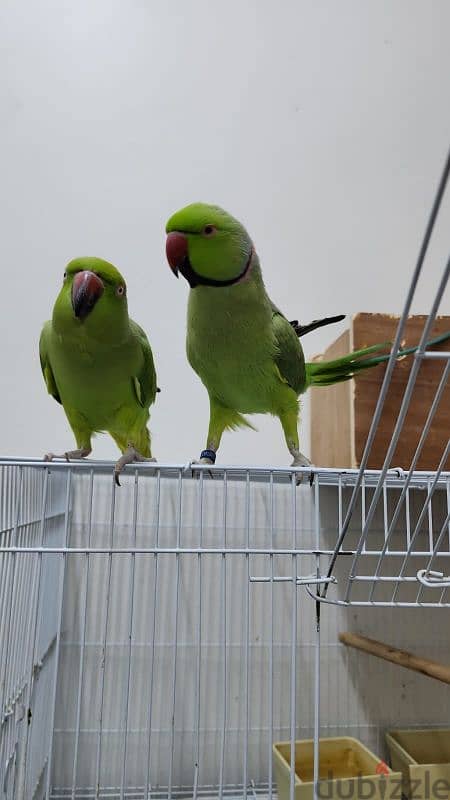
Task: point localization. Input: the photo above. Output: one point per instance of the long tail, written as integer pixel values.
(325, 373)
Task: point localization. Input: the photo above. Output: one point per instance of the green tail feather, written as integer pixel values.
(325, 373)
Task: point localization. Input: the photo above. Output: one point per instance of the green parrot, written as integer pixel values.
(246, 352)
(98, 363)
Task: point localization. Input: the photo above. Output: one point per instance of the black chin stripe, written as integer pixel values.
(194, 279)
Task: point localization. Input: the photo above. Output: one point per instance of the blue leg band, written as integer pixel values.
(208, 454)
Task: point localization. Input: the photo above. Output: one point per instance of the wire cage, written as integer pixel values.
(157, 639)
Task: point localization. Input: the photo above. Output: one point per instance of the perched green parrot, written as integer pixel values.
(243, 348)
(98, 363)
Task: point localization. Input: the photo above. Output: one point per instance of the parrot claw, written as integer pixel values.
(301, 461)
(204, 461)
(82, 452)
(129, 456)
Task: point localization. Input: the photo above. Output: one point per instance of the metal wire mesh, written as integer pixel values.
(34, 512)
(430, 575)
(146, 617)
(158, 638)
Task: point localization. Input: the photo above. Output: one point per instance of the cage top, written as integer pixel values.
(326, 476)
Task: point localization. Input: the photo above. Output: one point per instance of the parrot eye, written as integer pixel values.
(209, 230)
(64, 276)
(120, 291)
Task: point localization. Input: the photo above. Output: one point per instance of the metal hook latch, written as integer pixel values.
(433, 579)
(299, 580)
(316, 580)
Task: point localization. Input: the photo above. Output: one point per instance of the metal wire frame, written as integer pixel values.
(64, 555)
(398, 548)
(21, 550)
(428, 577)
(31, 511)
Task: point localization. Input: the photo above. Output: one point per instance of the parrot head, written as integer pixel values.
(208, 246)
(93, 298)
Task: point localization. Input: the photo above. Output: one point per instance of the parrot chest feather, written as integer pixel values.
(80, 349)
(96, 384)
(230, 344)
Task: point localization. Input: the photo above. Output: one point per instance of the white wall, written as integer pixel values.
(322, 125)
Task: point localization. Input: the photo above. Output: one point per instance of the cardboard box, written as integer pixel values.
(341, 414)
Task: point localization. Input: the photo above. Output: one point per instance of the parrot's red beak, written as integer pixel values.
(87, 287)
(176, 250)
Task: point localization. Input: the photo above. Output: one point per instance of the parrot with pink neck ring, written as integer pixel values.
(245, 351)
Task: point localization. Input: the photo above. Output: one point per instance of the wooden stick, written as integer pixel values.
(441, 672)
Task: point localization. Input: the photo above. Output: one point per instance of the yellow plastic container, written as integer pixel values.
(346, 769)
(423, 756)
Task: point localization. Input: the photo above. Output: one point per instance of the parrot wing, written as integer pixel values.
(47, 371)
(301, 330)
(145, 382)
(289, 356)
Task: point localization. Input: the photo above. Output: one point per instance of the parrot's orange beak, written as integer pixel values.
(87, 287)
(176, 250)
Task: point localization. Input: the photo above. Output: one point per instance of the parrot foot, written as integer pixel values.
(128, 457)
(301, 461)
(204, 461)
(82, 452)
(206, 457)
